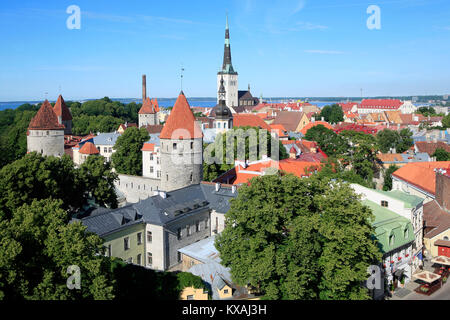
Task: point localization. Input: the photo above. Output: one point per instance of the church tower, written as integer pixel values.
(223, 117)
(230, 77)
(45, 134)
(181, 147)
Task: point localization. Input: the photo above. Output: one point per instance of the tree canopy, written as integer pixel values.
(35, 177)
(387, 186)
(213, 170)
(128, 156)
(390, 139)
(299, 239)
(441, 155)
(332, 114)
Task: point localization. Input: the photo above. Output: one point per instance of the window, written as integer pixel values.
(406, 233)
(105, 149)
(192, 145)
(207, 223)
(167, 177)
(188, 230)
(179, 233)
(126, 243)
(384, 203)
(190, 297)
(158, 174)
(149, 258)
(151, 156)
(139, 259)
(191, 177)
(446, 238)
(130, 260)
(151, 169)
(179, 256)
(218, 125)
(139, 238)
(391, 240)
(197, 226)
(110, 150)
(108, 251)
(174, 146)
(149, 236)
(157, 160)
(225, 291)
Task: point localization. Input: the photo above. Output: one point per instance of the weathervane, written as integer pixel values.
(181, 77)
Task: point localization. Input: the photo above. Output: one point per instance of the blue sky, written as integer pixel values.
(282, 48)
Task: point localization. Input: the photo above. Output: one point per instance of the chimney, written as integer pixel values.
(163, 194)
(217, 186)
(144, 87)
(443, 188)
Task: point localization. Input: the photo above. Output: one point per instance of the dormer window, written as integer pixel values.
(391, 240)
(406, 233)
(384, 203)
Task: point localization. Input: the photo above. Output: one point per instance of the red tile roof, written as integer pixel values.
(147, 107)
(45, 119)
(348, 106)
(316, 123)
(380, 104)
(180, 118)
(430, 147)
(89, 148)
(148, 147)
(243, 120)
(61, 109)
(421, 174)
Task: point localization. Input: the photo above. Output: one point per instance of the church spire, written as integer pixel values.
(227, 67)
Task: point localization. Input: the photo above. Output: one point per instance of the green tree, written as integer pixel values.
(330, 142)
(387, 186)
(299, 239)
(37, 177)
(441, 155)
(98, 180)
(446, 121)
(406, 140)
(38, 245)
(128, 156)
(212, 168)
(332, 114)
(388, 139)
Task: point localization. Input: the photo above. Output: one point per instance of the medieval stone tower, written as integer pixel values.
(45, 134)
(63, 114)
(181, 147)
(229, 76)
(148, 114)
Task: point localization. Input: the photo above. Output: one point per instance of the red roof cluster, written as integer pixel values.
(181, 121)
(45, 119)
(316, 123)
(248, 119)
(380, 104)
(354, 127)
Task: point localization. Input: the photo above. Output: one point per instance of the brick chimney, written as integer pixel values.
(443, 188)
(144, 87)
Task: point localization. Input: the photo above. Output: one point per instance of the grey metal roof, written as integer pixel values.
(203, 250)
(103, 221)
(106, 138)
(161, 211)
(214, 274)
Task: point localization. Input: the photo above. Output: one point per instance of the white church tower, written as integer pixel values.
(230, 77)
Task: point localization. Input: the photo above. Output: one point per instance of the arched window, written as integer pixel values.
(391, 239)
(406, 233)
(446, 238)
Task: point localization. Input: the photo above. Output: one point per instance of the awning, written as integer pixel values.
(426, 276)
(441, 260)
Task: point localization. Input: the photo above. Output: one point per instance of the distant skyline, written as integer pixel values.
(283, 48)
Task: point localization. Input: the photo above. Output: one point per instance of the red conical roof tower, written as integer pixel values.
(45, 119)
(181, 117)
(61, 109)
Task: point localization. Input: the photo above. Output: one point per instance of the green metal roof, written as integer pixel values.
(387, 223)
(409, 200)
